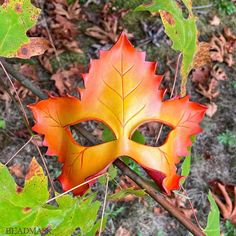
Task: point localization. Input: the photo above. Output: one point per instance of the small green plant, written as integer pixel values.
(234, 84)
(111, 212)
(230, 229)
(2, 124)
(227, 138)
(225, 6)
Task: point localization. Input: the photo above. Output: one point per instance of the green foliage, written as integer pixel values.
(2, 124)
(227, 138)
(182, 31)
(230, 229)
(213, 221)
(225, 6)
(27, 208)
(138, 137)
(123, 192)
(234, 84)
(16, 18)
(187, 162)
(112, 211)
(107, 135)
(112, 171)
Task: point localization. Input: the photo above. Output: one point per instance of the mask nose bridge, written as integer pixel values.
(124, 146)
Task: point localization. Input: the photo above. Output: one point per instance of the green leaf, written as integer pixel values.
(112, 171)
(122, 193)
(213, 221)
(2, 124)
(187, 162)
(27, 208)
(107, 135)
(138, 137)
(182, 31)
(16, 18)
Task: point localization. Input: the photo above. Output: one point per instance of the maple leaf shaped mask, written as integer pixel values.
(122, 91)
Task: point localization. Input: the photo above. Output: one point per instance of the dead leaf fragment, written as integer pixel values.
(122, 232)
(215, 21)
(36, 46)
(225, 199)
(16, 169)
(211, 109)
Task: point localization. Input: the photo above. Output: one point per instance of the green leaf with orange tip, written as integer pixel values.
(122, 91)
(181, 30)
(26, 207)
(16, 18)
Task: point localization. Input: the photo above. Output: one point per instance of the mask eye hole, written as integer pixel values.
(96, 130)
(155, 133)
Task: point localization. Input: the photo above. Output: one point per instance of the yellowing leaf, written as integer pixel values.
(26, 208)
(122, 91)
(16, 18)
(182, 31)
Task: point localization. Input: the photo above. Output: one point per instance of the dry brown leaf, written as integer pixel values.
(29, 71)
(217, 48)
(16, 169)
(61, 29)
(218, 73)
(106, 28)
(201, 75)
(223, 46)
(210, 91)
(225, 197)
(202, 56)
(66, 81)
(211, 109)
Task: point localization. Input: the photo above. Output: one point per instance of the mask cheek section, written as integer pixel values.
(154, 135)
(97, 130)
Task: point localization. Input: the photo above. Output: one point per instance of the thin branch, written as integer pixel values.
(191, 205)
(159, 199)
(202, 7)
(104, 206)
(46, 168)
(27, 123)
(17, 95)
(23, 80)
(171, 93)
(77, 186)
(19, 150)
(41, 5)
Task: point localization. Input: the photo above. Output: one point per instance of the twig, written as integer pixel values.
(19, 150)
(104, 206)
(77, 186)
(191, 205)
(27, 121)
(202, 7)
(171, 93)
(17, 95)
(23, 80)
